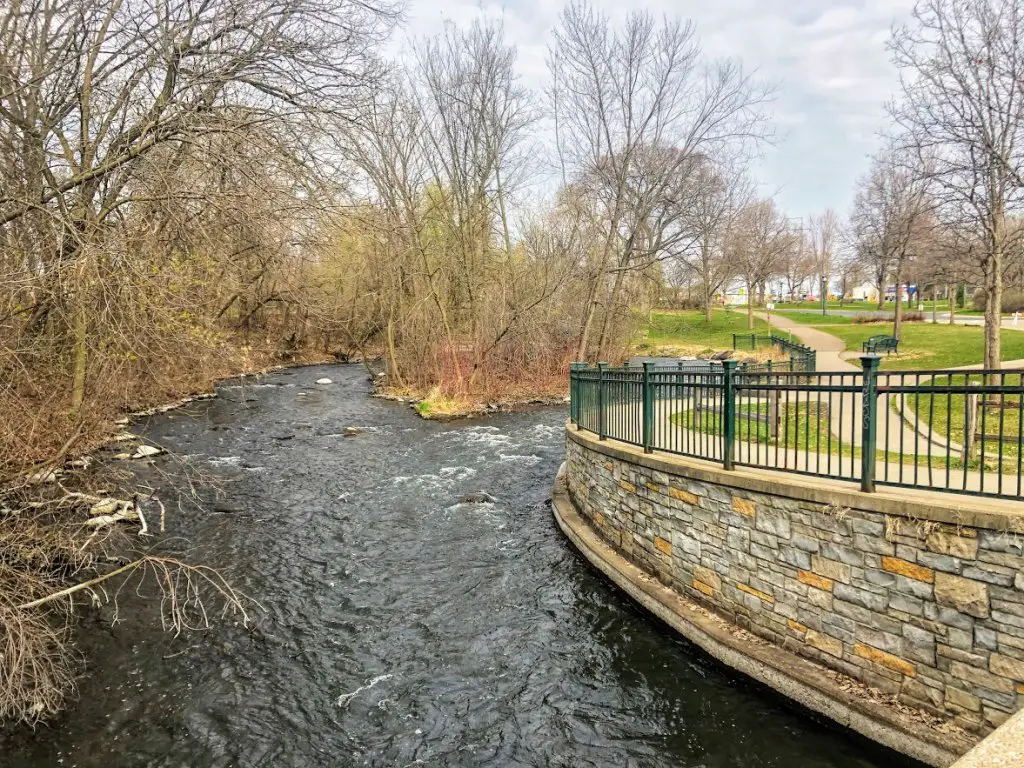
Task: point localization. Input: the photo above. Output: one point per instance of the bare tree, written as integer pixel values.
(720, 194)
(891, 213)
(798, 264)
(962, 108)
(758, 246)
(100, 97)
(824, 232)
(633, 107)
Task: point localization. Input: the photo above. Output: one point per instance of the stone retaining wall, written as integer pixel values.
(915, 604)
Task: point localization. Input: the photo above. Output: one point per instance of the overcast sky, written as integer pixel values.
(829, 57)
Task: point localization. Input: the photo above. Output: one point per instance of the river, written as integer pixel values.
(400, 626)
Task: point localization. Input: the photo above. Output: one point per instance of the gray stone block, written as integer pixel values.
(862, 597)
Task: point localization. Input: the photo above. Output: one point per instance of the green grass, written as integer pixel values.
(807, 317)
(686, 331)
(944, 414)
(805, 427)
(810, 305)
(926, 346)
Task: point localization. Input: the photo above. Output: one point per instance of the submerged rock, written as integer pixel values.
(480, 497)
(352, 431)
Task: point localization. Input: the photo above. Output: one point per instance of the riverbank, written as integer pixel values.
(434, 405)
(70, 524)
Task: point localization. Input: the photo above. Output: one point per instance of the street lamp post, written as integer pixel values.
(824, 293)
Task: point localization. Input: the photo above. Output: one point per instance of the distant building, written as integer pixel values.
(864, 292)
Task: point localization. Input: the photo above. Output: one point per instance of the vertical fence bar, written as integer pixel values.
(648, 414)
(728, 413)
(869, 422)
(600, 400)
(574, 392)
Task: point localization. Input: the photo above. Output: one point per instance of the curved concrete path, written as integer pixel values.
(893, 429)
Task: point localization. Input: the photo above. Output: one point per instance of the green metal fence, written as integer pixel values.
(945, 430)
(801, 358)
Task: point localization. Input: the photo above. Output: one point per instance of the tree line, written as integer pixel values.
(193, 188)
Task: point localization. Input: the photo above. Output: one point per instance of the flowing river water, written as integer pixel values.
(402, 627)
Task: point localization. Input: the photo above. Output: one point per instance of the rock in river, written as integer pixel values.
(480, 497)
(324, 381)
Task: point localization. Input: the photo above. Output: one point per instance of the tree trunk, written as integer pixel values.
(588, 321)
(609, 314)
(897, 320)
(79, 329)
(951, 297)
(750, 309)
(994, 309)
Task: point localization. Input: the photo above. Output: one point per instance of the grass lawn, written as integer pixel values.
(946, 414)
(800, 426)
(808, 317)
(803, 427)
(810, 305)
(685, 332)
(925, 346)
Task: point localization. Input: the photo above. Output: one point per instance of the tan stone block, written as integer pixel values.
(609, 466)
(743, 506)
(886, 660)
(653, 487)
(977, 676)
(819, 599)
(962, 699)
(1006, 666)
(908, 569)
(598, 519)
(756, 593)
(831, 569)
(951, 544)
(796, 626)
(681, 495)
(965, 595)
(814, 580)
(663, 545)
(833, 646)
(627, 486)
(707, 576)
(700, 586)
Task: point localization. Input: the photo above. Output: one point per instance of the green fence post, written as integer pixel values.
(728, 413)
(869, 424)
(648, 427)
(574, 392)
(600, 400)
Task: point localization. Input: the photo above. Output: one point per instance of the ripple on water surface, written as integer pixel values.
(403, 627)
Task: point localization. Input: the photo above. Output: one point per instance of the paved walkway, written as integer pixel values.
(845, 421)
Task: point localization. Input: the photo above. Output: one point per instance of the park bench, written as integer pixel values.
(887, 344)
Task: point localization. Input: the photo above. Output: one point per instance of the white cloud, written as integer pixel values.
(828, 56)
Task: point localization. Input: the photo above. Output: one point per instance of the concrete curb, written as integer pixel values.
(1003, 748)
(797, 678)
